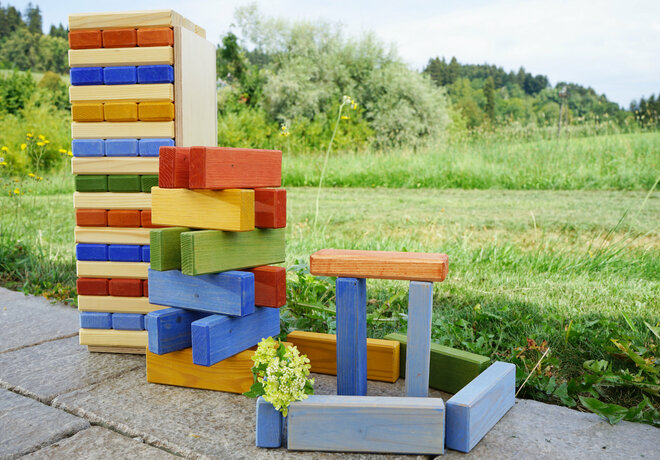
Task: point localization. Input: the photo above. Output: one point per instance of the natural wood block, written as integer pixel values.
(123, 218)
(120, 38)
(125, 287)
(91, 183)
(148, 181)
(112, 338)
(126, 93)
(85, 39)
(111, 235)
(157, 36)
(165, 244)
(120, 130)
(270, 208)
(173, 167)
(92, 286)
(156, 111)
(115, 165)
(116, 304)
(134, 19)
(231, 210)
(111, 200)
(112, 269)
(87, 111)
(413, 266)
(351, 300)
(124, 183)
(121, 350)
(91, 217)
(222, 168)
(269, 286)
(120, 111)
(211, 251)
(107, 57)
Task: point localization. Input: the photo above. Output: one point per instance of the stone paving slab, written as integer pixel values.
(52, 368)
(26, 425)
(97, 442)
(28, 320)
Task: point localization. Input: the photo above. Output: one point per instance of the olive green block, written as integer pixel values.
(91, 183)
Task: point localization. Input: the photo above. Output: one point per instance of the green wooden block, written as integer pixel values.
(92, 183)
(450, 370)
(165, 247)
(124, 183)
(148, 181)
(211, 251)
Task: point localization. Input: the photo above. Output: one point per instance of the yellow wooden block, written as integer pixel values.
(109, 200)
(92, 269)
(112, 235)
(156, 111)
(321, 349)
(113, 304)
(231, 209)
(114, 165)
(122, 130)
(130, 93)
(87, 111)
(120, 111)
(107, 57)
(113, 338)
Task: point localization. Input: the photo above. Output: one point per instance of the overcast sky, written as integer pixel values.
(612, 46)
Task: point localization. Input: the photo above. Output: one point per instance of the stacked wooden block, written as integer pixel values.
(212, 266)
(139, 81)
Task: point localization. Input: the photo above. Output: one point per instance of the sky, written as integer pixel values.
(611, 46)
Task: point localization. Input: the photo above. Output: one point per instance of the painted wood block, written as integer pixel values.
(474, 410)
(121, 147)
(114, 304)
(231, 210)
(115, 350)
(411, 266)
(169, 329)
(270, 208)
(217, 337)
(156, 36)
(269, 425)
(112, 338)
(128, 321)
(420, 313)
(135, 19)
(111, 200)
(91, 217)
(84, 76)
(269, 286)
(373, 424)
(111, 235)
(145, 219)
(148, 181)
(124, 183)
(227, 293)
(145, 288)
(124, 253)
(114, 165)
(150, 147)
(88, 147)
(92, 286)
(321, 349)
(93, 269)
(165, 244)
(120, 111)
(222, 168)
(120, 38)
(91, 251)
(351, 336)
(95, 320)
(120, 75)
(121, 129)
(173, 167)
(148, 74)
(118, 93)
(146, 253)
(91, 183)
(209, 251)
(156, 111)
(123, 218)
(450, 369)
(85, 39)
(121, 56)
(121, 287)
(87, 111)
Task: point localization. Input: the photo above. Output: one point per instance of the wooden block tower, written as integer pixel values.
(139, 81)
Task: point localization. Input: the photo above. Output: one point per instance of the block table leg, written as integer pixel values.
(269, 425)
(420, 307)
(351, 336)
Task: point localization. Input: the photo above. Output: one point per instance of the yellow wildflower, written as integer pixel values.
(42, 137)
(46, 141)
(29, 134)
(23, 146)
(41, 144)
(70, 153)
(62, 150)
(3, 163)
(5, 148)
(17, 191)
(345, 117)
(31, 175)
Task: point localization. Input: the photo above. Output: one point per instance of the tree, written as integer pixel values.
(489, 94)
(10, 20)
(34, 20)
(453, 71)
(59, 31)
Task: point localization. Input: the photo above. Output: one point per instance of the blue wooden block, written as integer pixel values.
(95, 320)
(227, 293)
(146, 253)
(124, 253)
(81, 76)
(269, 424)
(169, 329)
(128, 321)
(88, 147)
(155, 74)
(88, 251)
(149, 147)
(218, 337)
(121, 75)
(351, 336)
(121, 147)
(373, 424)
(474, 410)
(418, 353)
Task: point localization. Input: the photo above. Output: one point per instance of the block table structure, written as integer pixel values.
(139, 81)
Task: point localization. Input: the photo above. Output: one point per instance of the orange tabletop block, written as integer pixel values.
(123, 218)
(156, 111)
(91, 217)
(145, 219)
(119, 38)
(85, 39)
(158, 36)
(87, 111)
(120, 111)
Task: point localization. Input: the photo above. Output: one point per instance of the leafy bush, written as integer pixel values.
(54, 90)
(16, 89)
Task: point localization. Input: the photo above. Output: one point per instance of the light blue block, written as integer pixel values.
(120, 75)
(146, 253)
(124, 253)
(418, 352)
(128, 321)
(95, 252)
(351, 336)
(269, 425)
(149, 147)
(121, 147)
(95, 320)
(169, 329)
(88, 147)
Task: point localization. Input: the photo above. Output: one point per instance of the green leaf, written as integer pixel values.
(655, 330)
(256, 390)
(281, 351)
(613, 413)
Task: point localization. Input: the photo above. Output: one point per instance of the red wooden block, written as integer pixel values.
(157, 36)
(85, 39)
(145, 220)
(218, 168)
(119, 38)
(123, 218)
(269, 286)
(92, 286)
(270, 208)
(145, 288)
(91, 217)
(125, 287)
(173, 166)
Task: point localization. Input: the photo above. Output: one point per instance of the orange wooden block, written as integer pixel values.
(92, 286)
(173, 167)
(123, 218)
(87, 111)
(85, 39)
(145, 219)
(120, 111)
(270, 208)
(119, 38)
(145, 288)
(121, 287)
(91, 217)
(157, 36)
(269, 286)
(219, 168)
(156, 111)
